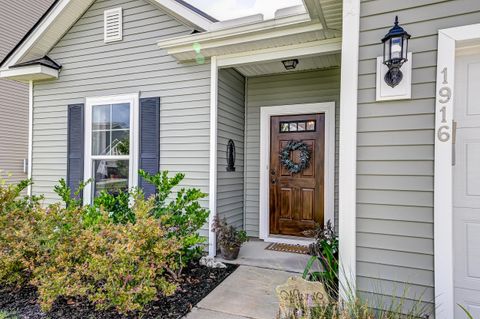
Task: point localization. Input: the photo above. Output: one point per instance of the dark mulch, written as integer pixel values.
(197, 283)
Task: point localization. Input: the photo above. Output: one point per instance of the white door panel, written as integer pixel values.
(470, 299)
(466, 187)
(467, 80)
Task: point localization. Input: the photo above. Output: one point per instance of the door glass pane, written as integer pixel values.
(101, 117)
(121, 116)
(110, 176)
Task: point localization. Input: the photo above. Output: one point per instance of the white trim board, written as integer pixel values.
(449, 40)
(266, 113)
(212, 183)
(348, 148)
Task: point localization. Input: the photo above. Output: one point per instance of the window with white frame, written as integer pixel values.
(111, 144)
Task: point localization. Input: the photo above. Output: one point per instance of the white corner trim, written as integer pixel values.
(212, 193)
(266, 113)
(133, 100)
(348, 147)
(449, 40)
(30, 135)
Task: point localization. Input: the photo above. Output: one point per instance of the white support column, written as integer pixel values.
(212, 194)
(348, 147)
(30, 134)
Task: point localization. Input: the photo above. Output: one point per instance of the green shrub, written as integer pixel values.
(183, 216)
(113, 265)
(115, 253)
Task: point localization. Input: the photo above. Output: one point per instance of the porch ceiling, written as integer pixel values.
(305, 64)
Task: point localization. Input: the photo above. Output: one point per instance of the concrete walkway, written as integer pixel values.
(248, 293)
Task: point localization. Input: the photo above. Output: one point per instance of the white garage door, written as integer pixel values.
(466, 193)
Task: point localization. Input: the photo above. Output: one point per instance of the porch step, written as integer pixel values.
(254, 254)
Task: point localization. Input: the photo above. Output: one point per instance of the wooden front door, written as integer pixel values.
(297, 199)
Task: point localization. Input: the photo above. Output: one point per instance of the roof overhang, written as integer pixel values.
(291, 30)
(30, 73)
(63, 15)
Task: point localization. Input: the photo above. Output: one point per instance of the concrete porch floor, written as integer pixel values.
(249, 293)
(253, 254)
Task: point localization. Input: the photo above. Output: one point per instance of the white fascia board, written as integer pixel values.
(30, 73)
(238, 32)
(185, 15)
(21, 51)
(307, 49)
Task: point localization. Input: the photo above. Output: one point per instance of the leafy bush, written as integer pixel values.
(116, 252)
(113, 265)
(183, 216)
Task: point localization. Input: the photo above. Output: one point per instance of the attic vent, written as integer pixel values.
(113, 28)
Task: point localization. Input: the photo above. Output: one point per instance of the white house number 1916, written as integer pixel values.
(444, 96)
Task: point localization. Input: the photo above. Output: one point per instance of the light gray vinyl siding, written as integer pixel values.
(396, 150)
(16, 18)
(231, 125)
(274, 90)
(92, 68)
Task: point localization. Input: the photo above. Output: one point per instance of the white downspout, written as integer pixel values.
(212, 194)
(30, 134)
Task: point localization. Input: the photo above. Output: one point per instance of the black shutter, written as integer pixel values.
(149, 159)
(75, 146)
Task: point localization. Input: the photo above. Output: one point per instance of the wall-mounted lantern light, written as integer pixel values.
(290, 64)
(395, 50)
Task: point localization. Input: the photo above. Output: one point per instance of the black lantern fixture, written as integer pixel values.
(290, 64)
(395, 50)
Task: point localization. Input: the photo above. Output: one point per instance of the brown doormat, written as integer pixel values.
(286, 248)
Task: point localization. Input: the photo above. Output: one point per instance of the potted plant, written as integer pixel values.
(229, 238)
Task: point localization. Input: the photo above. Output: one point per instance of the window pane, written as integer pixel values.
(293, 127)
(110, 176)
(121, 116)
(284, 127)
(101, 117)
(101, 143)
(120, 143)
(301, 126)
(311, 126)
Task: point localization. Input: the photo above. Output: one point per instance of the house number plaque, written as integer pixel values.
(444, 97)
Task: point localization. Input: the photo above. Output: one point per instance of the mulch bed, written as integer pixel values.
(198, 282)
